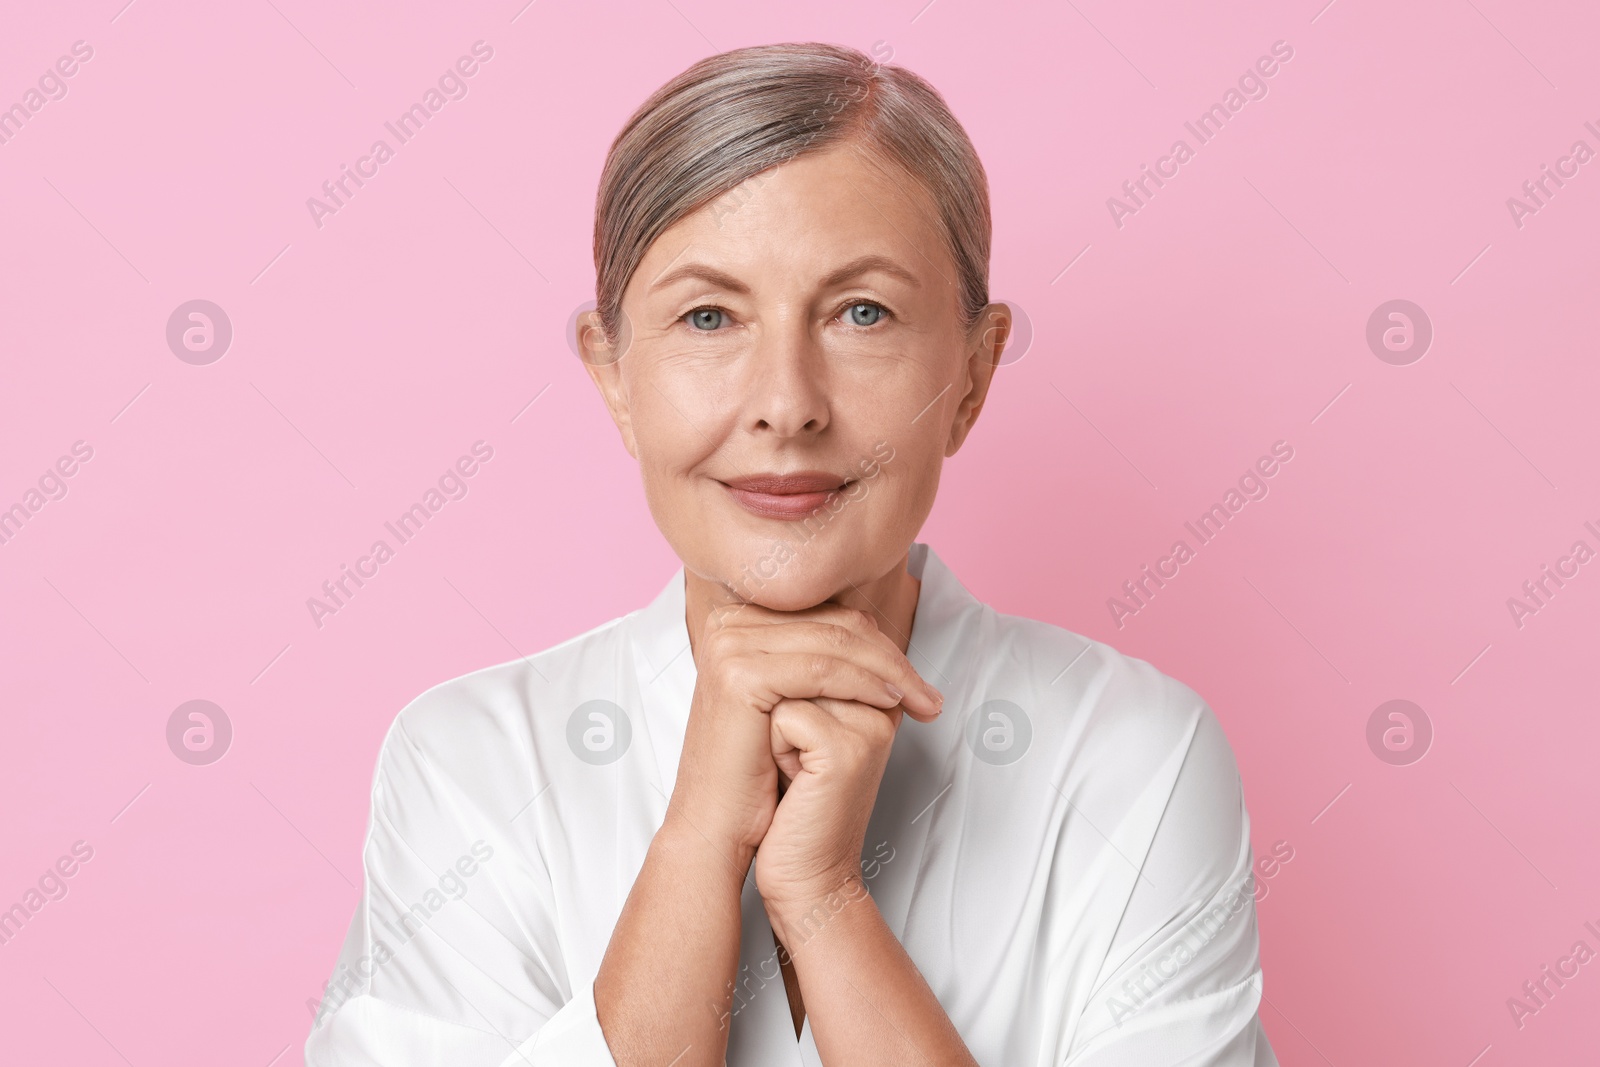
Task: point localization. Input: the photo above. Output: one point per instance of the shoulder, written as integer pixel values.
(486, 732)
(1120, 778)
(1116, 735)
(1137, 754)
(1090, 695)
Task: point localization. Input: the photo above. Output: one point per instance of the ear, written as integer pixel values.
(985, 342)
(602, 358)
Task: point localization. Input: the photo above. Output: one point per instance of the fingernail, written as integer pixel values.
(894, 691)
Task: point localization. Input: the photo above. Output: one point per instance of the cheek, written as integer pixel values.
(920, 484)
(901, 376)
(892, 396)
(907, 465)
(675, 417)
(664, 453)
(673, 495)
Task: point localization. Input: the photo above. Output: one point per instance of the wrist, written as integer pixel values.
(683, 835)
(800, 913)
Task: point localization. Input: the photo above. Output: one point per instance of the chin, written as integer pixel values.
(789, 590)
(786, 576)
(792, 595)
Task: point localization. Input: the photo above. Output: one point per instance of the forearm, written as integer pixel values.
(662, 992)
(865, 998)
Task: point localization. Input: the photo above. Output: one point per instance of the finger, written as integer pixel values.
(768, 677)
(800, 727)
(862, 622)
(787, 745)
(843, 729)
(859, 718)
(853, 619)
(787, 757)
(846, 640)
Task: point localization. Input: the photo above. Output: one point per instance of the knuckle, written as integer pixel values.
(858, 620)
(851, 619)
(838, 637)
(718, 633)
(738, 673)
(882, 729)
(860, 749)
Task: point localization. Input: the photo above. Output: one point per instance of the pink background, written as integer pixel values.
(1228, 313)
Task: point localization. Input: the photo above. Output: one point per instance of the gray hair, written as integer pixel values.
(733, 115)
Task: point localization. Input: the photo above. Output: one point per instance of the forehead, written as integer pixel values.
(818, 209)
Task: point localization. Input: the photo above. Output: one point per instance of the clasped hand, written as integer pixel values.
(816, 696)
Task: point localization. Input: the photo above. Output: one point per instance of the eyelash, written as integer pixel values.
(887, 314)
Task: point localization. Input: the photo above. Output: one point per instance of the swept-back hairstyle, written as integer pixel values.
(733, 115)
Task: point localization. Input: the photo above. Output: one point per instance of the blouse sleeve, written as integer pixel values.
(453, 955)
(1181, 983)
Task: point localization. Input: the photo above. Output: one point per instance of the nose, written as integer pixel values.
(786, 385)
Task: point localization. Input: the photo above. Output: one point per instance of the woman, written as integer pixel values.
(815, 803)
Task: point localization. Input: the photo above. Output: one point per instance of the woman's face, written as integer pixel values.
(805, 323)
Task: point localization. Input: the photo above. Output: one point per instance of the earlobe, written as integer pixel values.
(966, 416)
(988, 341)
(609, 380)
(600, 360)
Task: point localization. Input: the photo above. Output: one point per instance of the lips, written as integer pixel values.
(785, 496)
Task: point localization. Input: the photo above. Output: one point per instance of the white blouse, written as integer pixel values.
(1066, 859)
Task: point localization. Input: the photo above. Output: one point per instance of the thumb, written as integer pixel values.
(800, 730)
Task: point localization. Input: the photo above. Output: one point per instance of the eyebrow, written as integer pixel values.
(853, 269)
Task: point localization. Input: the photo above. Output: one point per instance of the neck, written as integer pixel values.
(891, 600)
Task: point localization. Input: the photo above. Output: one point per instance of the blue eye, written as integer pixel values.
(874, 313)
(698, 317)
